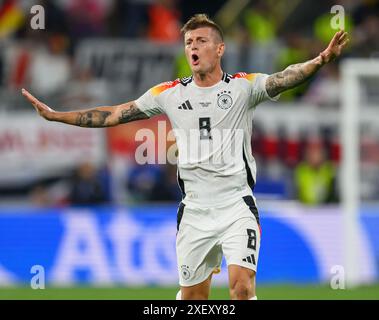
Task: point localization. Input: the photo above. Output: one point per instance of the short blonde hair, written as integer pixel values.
(202, 20)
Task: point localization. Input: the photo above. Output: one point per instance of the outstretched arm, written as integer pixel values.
(296, 74)
(92, 118)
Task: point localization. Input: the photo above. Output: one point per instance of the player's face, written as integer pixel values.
(203, 49)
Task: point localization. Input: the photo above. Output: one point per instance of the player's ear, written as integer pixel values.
(221, 49)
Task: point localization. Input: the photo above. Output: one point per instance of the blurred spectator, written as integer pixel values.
(167, 188)
(50, 66)
(19, 59)
(296, 49)
(289, 145)
(258, 39)
(272, 173)
(49, 193)
(56, 19)
(366, 38)
(86, 187)
(141, 181)
(87, 18)
(128, 18)
(369, 162)
(85, 90)
(11, 18)
(315, 177)
(325, 89)
(153, 183)
(39, 196)
(1, 70)
(164, 21)
(260, 23)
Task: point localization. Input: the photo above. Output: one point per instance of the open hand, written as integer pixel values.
(335, 46)
(42, 109)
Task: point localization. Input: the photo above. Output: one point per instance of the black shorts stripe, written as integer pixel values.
(250, 179)
(179, 216)
(253, 208)
(181, 185)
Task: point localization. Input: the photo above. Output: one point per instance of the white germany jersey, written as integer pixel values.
(213, 128)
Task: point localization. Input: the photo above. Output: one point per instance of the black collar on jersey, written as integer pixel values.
(225, 77)
(186, 80)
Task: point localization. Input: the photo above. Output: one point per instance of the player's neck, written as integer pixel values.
(208, 79)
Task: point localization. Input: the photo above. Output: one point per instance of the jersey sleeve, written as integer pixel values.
(259, 92)
(149, 103)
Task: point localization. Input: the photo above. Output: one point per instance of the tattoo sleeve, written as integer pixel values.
(292, 76)
(131, 114)
(104, 116)
(98, 118)
(92, 118)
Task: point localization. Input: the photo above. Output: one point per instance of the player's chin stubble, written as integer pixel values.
(202, 73)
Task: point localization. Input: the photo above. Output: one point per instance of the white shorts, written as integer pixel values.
(204, 235)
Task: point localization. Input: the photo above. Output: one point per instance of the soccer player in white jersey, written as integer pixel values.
(218, 214)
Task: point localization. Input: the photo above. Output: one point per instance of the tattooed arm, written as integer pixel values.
(292, 76)
(92, 118)
(296, 74)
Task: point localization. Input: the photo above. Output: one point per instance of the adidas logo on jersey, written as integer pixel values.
(250, 259)
(185, 106)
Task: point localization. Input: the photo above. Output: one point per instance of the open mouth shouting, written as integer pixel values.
(195, 59)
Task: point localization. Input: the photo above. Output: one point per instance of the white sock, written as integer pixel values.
(254, 298)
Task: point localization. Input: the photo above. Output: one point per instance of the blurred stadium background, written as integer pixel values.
(75, 202)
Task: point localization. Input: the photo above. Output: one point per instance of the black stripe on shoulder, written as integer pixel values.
(186, 80)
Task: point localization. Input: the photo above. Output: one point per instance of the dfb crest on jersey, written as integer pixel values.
(185, 272)
(224, 100)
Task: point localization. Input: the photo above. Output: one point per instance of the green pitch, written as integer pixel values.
(275, 292)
